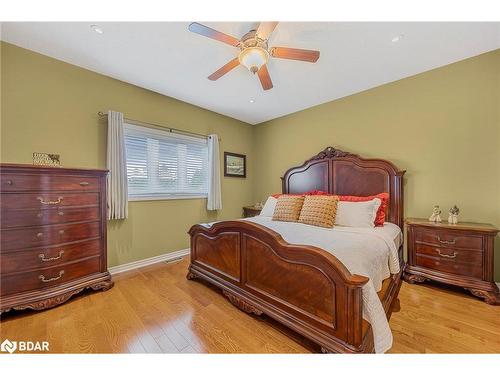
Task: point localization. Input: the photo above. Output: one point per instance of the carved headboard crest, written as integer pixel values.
(340, 172)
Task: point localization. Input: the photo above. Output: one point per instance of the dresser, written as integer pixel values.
(459, 254)
(53, 235)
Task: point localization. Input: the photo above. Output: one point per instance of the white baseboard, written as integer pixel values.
(148, 261)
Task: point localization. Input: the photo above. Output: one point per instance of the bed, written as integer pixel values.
(300, 282)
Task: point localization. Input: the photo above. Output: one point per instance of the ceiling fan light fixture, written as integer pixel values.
(253, 58)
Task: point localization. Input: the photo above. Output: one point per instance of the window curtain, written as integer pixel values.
(116, 162)
(214, 201)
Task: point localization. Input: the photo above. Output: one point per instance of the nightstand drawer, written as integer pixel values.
(448, 239)
(449, 266)
(473, 257)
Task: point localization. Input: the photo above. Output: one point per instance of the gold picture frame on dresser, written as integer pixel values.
(458, 254)
(53, 235)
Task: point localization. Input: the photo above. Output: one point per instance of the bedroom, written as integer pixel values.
(358, 142)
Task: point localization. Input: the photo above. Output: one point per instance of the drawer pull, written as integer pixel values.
(59, 200)
(446, 255)
(44, 280)
(43, 259)
(8, 182)
(39, 235)
(447, 242)
(40, 214)
(61, 232)
(84, 183)
(60, 213)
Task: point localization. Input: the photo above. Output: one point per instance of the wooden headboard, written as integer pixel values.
(343, 173)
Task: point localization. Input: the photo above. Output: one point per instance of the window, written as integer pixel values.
(165, 165)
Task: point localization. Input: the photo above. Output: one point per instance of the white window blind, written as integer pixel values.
(162, 164)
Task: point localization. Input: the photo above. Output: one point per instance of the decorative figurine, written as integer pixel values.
(453, 215)
(436, 215)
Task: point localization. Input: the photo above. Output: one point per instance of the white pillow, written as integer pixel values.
(357, 214)
(268, 209)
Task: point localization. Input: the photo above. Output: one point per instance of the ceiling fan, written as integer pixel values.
(254, 51)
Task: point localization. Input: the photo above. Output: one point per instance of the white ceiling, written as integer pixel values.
(165, 57)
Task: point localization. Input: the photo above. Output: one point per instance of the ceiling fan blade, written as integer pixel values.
(264, 77)
(225, 69)
(265, 29)
(198, 28)
(295, 54)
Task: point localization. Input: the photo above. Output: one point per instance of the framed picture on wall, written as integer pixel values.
(235, 165)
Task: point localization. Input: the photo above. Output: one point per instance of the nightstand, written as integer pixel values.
(459, 254)
(250, 211)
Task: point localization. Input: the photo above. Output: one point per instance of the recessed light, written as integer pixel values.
(97, 29)
(252, 100)
(397, 38)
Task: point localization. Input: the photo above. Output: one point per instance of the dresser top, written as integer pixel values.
(6, 167)
(479, 227)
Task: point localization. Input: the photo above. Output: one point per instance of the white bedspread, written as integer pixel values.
(370, 252)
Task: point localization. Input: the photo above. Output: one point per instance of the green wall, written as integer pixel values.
(51, 106)
(442, 126)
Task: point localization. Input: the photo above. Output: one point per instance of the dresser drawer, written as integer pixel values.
(43, 200)
(473, 257)
(449, 239)
(47, 235)
(450, 266)
(30, 182)
(42, 257)
(48, 277)
(18, 218)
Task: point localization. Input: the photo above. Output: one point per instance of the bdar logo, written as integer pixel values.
(8, 346)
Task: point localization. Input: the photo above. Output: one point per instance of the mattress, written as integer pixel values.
(370, 252)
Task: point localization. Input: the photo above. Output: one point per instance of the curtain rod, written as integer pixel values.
(156, 126)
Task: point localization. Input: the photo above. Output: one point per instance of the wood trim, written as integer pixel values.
(179, 254)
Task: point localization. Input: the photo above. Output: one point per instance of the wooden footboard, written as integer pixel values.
(303, 287)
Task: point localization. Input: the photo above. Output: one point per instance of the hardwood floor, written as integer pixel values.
(156, 310)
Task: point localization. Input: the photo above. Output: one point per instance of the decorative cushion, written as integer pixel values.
(288, 207)
(319, 210)
(384, 198)
(357, 214)
(269, 206)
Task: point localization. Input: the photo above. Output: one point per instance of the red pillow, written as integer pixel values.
(384, 198)
(312, 192)
(318, 192)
